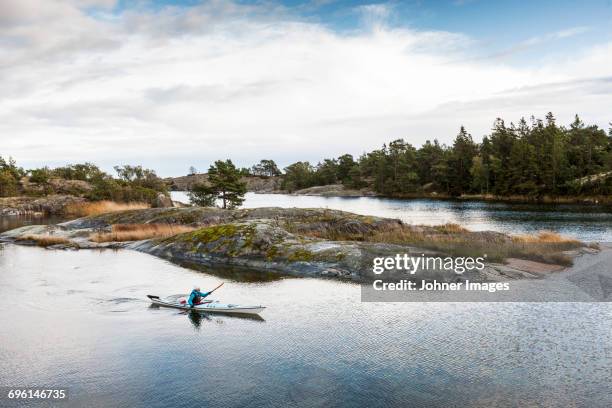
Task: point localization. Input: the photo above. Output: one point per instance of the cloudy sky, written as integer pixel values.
(169, 84)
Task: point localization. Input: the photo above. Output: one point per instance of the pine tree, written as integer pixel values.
(266, 168)
(223, 184)
(463, 151)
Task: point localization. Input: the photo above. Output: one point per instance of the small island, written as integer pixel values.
(303, 242)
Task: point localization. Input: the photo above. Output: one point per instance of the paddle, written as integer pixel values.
(215, 288)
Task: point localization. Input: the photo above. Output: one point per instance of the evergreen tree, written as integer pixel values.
(552, 157)
(521, 175)
(586, 149)
(266, 168)
(326, 172)
(461, 161)
(355, 179)
(428, 156)
(202, 195)
(346, 163)
(224, 184)
(479, 175)
(501, 141)
(297, 176)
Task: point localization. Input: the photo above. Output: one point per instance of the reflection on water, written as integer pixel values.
(15, 221)
(234, 273)
(589, 223)
(81, 319)
(196, 319)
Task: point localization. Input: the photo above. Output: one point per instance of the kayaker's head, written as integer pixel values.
(196, 288)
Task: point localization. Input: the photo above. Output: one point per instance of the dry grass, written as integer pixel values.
(137, 232)
(450, 228)
(45, 240)
(546, 247)
(101, 207)
(454, 240)
(547, 237)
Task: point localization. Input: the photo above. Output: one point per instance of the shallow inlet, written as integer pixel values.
(81, 319)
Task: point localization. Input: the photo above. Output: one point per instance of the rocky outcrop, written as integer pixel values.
(72, 187)
(301, 220)
(264, 245)
(162, 201)
(254, 183)
(54, 185)
(51, 204)
(258, 244)
(334, 190)
(301, 242)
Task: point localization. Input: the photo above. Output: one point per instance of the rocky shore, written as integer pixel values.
(335, 190)
(299, 242)
(51, 204)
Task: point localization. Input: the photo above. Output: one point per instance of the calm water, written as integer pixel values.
(79, 319)
(11, 222)
(588, 223)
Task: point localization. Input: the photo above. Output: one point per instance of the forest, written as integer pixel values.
(532, 159)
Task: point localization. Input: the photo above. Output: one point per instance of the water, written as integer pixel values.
(588, 223)
(80, 319)
(15, 221)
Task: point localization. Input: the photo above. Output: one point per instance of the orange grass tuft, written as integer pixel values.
(101, 207)
(137, 232)
(544, 237)
(45, 240)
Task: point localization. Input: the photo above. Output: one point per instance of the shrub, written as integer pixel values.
(40, 175)
(8, 184)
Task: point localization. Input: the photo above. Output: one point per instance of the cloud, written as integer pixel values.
(174, 86)
(538, 40)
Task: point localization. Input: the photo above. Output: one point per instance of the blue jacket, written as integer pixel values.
(195, 293)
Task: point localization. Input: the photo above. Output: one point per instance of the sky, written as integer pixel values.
(171, 84)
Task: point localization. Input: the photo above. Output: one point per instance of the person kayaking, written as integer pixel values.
(196, 296)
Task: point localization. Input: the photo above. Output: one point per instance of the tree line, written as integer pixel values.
(531, 159)
(534, 158)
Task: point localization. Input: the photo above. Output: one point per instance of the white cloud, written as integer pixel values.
(175, 87)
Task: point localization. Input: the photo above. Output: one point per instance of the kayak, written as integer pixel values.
(208, 306)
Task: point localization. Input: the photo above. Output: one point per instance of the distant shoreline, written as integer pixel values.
(272, 185)
(586, 201)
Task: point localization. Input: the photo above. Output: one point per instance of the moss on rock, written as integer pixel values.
(214, 233)
(300, 255)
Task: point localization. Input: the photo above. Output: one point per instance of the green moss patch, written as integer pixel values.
(301, 255)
